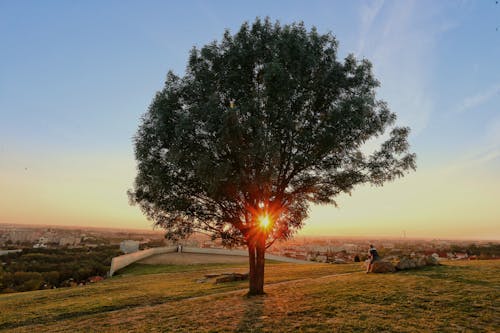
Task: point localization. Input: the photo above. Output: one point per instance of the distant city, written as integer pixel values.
(322, 249)
(17, 236)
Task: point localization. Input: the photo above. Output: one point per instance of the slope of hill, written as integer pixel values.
(458, 296)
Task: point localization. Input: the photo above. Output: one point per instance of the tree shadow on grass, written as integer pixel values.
(253, 315)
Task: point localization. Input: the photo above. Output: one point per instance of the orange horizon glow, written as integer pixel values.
(452, 203)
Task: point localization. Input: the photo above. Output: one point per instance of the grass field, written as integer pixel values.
(455, 297)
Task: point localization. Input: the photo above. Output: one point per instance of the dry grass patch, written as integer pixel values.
(451, 298)
(131, 290)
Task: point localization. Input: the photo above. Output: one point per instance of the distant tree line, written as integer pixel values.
(489, 251)
(34, 269)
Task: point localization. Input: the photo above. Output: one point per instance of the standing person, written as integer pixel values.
(373, 255)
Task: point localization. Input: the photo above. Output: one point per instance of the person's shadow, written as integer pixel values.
(254, 312)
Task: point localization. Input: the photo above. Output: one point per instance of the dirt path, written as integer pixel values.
(192, 259)
(271, 285)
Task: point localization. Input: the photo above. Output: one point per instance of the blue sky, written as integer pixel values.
(75, 77)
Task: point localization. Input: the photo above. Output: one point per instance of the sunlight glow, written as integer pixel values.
(264, 221)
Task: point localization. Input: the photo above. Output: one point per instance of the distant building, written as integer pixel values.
(43, 240)
(460, 255)
(300, 257)
(321, 258)
(69, 241)
(23, 236)
(129, 246)
(42, 243)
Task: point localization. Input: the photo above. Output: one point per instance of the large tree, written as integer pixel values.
(261, 125)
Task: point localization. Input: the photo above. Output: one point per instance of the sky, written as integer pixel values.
(76, 76)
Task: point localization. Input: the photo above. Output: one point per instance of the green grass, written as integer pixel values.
(459, 296)
(144, 269)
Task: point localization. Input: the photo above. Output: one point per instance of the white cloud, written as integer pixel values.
(472, 102)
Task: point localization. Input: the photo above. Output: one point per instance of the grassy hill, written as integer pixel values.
(458, 296)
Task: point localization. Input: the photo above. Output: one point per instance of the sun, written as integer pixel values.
(264, 221)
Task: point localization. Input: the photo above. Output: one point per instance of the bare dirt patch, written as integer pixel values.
(192, 259)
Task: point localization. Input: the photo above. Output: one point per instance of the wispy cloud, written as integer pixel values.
(368, 14)
(483, 153)
(493, 132)
(489, 156)
(401, 45)
(473, 102)
(472, 161)
(486, 153)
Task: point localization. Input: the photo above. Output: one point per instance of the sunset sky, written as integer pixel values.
(76, 76)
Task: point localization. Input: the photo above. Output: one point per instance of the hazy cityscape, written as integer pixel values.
(322, 249)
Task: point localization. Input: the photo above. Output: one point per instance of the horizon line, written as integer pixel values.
(296, 237)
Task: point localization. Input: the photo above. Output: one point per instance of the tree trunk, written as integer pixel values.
(256, 257)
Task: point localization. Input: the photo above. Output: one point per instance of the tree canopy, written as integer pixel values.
(263, 123)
